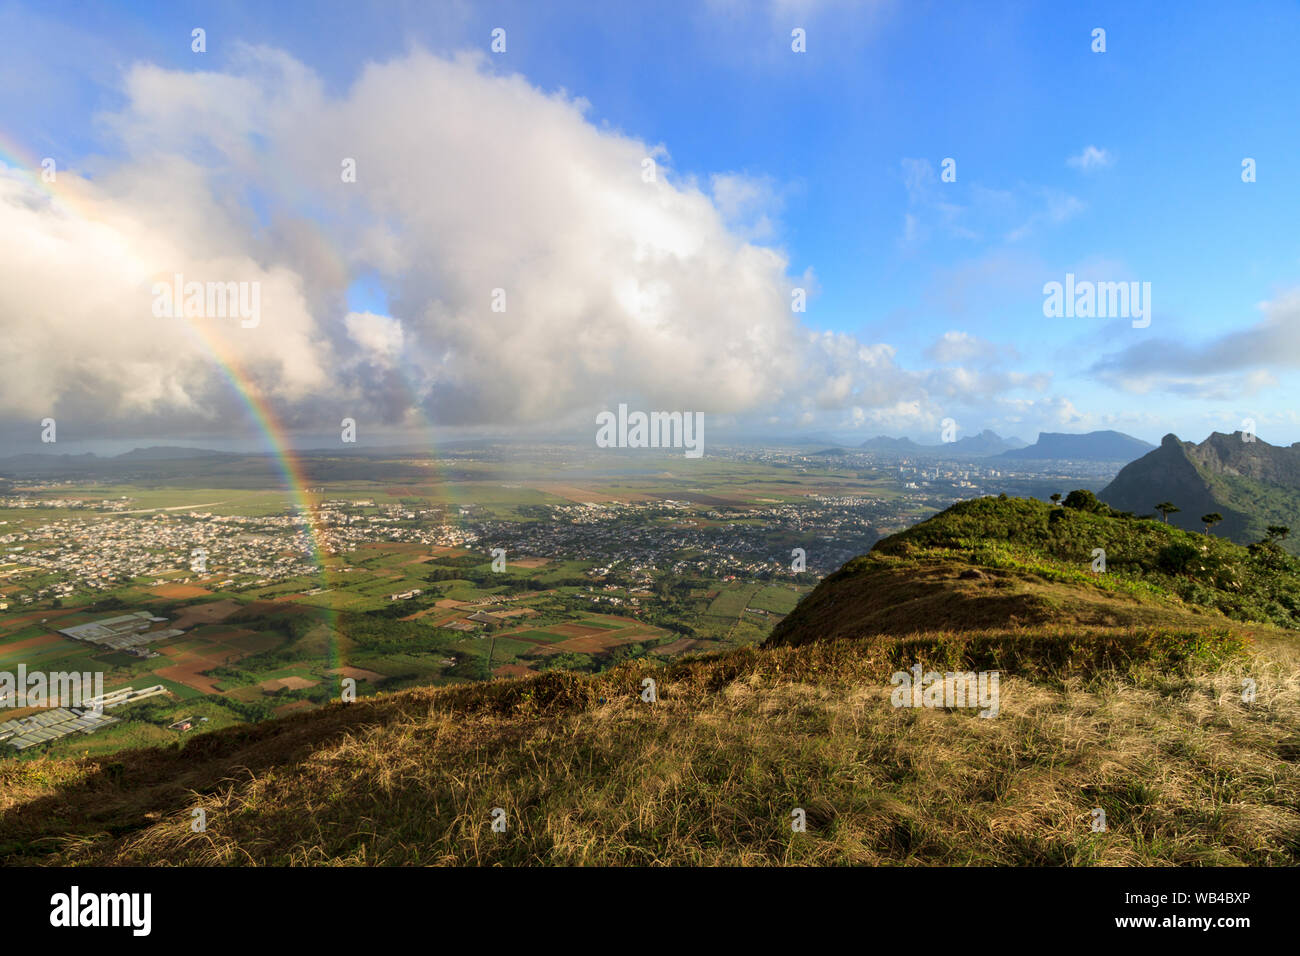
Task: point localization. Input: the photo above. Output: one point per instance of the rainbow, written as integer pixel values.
(66, 197)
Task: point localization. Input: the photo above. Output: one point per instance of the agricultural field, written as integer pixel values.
(247, 655)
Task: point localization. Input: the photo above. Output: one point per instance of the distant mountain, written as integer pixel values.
(88, 464)
(1251, 483)
(166, 453)
(984, 444)
(892, 446)
(1093, 446)
(29, 464)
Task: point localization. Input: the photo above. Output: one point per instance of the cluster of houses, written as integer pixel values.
(103, 553)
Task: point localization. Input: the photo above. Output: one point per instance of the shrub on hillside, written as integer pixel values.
(1083, 500)
(1177, 558)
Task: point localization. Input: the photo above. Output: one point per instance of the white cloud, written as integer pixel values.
(956, 346)
(380, 336)
(748, 205)
(467, 181)
(1054, 208)
(1018, 213)
(1091, 158)
(1241, 362)
(79, 334)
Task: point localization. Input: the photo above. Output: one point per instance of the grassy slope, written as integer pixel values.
(1123, 696)
(991, 562)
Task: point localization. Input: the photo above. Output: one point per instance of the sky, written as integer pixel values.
(507, 261)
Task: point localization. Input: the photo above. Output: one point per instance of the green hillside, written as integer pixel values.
(1020, 561)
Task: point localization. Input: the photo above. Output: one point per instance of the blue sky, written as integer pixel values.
(846, 142)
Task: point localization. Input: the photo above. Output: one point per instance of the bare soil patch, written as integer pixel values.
(209, 612)
(172, 591)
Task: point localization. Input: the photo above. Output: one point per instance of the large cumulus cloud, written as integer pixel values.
(467, 181)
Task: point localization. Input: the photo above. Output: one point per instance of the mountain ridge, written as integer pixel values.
(1251, 483)
(982, 445)
(1086, 446)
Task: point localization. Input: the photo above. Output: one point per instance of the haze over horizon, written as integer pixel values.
(525, 171)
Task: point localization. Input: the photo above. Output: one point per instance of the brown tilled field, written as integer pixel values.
(576, 630)
(293, 707)
(287, 683)
(190, 674)
(174, 591)
(17, 622)
(41, 640)
(209, 612)
(580, 495)
(597, 643)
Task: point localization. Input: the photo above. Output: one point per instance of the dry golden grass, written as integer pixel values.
(589, 774)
